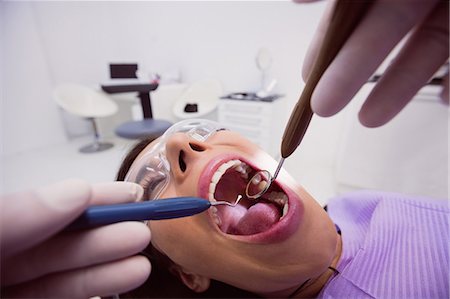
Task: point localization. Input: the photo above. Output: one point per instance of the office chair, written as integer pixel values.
(148, 127)
(88, 104)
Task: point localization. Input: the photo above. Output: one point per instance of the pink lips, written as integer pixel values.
(280, 231)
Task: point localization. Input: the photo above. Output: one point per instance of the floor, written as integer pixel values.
(46, 165)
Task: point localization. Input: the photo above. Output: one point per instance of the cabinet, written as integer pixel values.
(259, 121)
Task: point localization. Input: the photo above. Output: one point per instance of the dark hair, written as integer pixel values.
(163, 281)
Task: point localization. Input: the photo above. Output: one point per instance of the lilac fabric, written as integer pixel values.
(394, 246)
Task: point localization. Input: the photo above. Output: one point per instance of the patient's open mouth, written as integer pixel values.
(250, 216)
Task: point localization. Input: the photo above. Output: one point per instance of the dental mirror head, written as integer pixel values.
(258, 184)
(261, 181)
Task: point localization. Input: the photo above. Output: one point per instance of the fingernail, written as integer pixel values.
(65, 195)
(138, 191)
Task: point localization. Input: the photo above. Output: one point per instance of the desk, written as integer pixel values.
(143, 90)
(146, 128)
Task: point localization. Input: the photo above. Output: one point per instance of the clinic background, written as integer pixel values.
(45, 44)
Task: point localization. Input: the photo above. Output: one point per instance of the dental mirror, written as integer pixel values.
(258, 184)
(261, 181)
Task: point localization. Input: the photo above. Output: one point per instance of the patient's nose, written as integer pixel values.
(183, 153)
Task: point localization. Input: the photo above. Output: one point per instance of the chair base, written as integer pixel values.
(96, 147)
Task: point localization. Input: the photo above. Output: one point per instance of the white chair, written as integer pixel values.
(89, 104)
(199, 100)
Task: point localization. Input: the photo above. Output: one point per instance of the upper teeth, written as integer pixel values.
(238, 165)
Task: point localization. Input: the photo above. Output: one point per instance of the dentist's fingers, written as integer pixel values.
(115, 192)
(102, 280)
(385, 24)
(77, 250)
(409, 72)
(29, 218)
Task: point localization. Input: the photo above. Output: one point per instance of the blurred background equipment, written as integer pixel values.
(148, 127)
(199, 100)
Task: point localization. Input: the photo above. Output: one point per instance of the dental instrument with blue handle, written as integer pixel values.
(167, 208)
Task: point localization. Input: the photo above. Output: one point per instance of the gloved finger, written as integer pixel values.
(445, 90)
(101, 280)
(115, 192)
(77, 250)
(319, 34)
(385, 24)
(30, 217)
(409, 72)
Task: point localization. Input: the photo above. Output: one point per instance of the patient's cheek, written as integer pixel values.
(176, 237)
(170, 191)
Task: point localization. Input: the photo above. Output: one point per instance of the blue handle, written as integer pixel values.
(148, 210)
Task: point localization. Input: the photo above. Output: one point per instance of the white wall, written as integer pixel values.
(48, 43)
(29, 118)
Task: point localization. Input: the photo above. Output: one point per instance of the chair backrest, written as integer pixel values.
(203, 94)
(83, 101)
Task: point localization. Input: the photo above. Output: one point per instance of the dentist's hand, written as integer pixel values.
(38, 260)
(385, 24)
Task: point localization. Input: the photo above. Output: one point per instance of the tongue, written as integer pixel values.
(259, 217)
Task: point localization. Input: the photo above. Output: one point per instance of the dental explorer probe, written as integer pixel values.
(167, 208)
(346, 16)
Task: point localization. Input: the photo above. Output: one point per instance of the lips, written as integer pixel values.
(272, 218)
